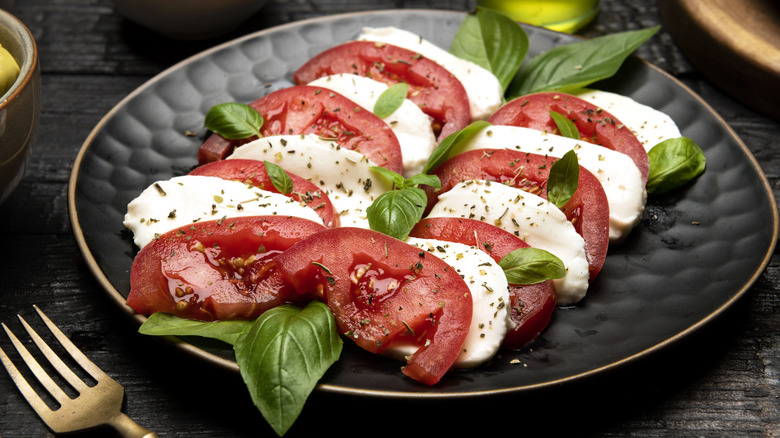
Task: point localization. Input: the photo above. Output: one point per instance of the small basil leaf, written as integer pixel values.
(446, 146)
(396, 179)
(390, 100)
(576, 65)
(163, 324)
(531, 266)
(563, 179)
(493, 41)
(421, 178)
(283, 355)
(566, 127)
(396, 212)
(673, 163)
(279, 178)
(234, 121)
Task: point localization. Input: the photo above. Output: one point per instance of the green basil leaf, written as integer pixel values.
(396, 179)
(573, 66)
(673, 163)
(421, 178)
(283, 355)
(563, 179)
(279, 178)
(493, 41)
(163, 324)
(565, 126)
(234, 121)
(450, 143)
(396, 212)
(390, 100)
(399, 182)
(531, 266)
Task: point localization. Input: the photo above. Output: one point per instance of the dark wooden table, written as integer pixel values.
(721, 381)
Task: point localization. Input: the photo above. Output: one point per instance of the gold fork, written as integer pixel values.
(94, 406)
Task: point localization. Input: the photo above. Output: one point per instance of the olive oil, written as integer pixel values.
(561, 15)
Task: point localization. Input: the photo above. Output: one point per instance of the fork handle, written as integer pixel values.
(129, 428)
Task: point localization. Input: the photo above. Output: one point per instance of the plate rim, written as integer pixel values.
(221, 362)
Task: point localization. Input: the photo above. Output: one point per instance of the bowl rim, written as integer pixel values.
(29, 63)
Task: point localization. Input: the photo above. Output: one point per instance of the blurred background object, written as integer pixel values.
(6, 4)
(736, 44)
(20, 105)
(561, 15)
(188, 19)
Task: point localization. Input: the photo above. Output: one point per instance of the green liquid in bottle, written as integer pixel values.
(561, 15)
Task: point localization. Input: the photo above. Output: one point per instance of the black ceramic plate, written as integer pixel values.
(693, 255)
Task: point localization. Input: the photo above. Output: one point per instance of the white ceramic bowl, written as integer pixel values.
(188, 19)
(20, 105)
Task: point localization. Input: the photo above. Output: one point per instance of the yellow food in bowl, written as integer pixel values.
(19, 104)
(9, 70)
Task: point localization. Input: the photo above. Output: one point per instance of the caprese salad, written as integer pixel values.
(436, 217)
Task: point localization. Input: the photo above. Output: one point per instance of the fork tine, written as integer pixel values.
(53, 359)
(98, 405)
(74, 352)
(36, 369)
(27, 391)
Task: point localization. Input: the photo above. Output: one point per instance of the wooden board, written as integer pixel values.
(736, 44)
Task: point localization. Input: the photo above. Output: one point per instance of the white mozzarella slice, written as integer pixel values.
(410, 125)
(490, 294)
(648, 124)
(619, 176)
(482, 86)
(183, 200)
(343, 174)
(532, 218)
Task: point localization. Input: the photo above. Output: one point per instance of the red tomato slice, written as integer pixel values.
(532, 305)
(587, 210)
(315, 110)
(379, 289)
(217, 270)
(432, 87)
(254, 172)
(595, 125)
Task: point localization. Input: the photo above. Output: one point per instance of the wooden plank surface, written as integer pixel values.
(722, 381)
